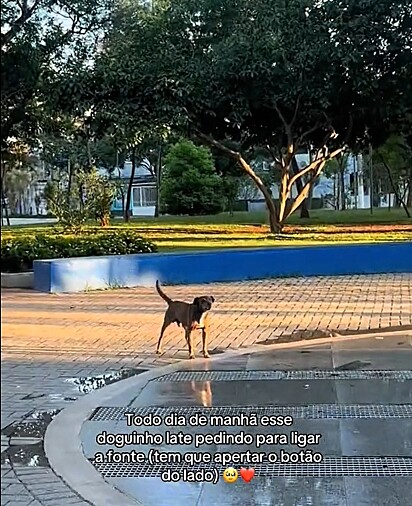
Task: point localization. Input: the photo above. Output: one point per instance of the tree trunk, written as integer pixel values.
(158, 177)
(275, 225)
(105, 220)
(130, 186)
(4, 205)
(342, 184)
(409, 190)
(304, 211)
(395, 190)
(70, 176)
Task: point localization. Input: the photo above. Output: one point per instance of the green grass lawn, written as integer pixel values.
(249, 230)
(317, 217)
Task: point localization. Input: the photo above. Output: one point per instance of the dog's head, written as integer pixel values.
(204, 303)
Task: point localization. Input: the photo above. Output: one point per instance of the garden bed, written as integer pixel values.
(18, 251)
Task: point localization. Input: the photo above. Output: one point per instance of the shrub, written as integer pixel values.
(18, 252)
(90, 197)
(190, 184)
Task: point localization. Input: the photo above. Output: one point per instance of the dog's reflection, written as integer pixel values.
(202, 391)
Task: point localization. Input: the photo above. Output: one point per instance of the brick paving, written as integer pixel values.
(47, 339)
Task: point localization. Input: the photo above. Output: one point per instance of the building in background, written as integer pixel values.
(143, 196)
(25, 195)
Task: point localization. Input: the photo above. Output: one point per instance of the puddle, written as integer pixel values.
(89, 383)
(33, 425)
(25, 440)
(28, 456)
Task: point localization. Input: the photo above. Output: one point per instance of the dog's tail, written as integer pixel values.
(162, 294)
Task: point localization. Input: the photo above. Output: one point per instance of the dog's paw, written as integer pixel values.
(192, 357)
(159, 351)
(206, 354)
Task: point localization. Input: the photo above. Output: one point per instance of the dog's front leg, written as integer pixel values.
(188, 336)
(204, 342)
(166, 323)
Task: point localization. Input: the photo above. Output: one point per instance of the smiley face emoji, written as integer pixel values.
(230, 475)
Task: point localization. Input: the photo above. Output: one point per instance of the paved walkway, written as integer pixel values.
(359, 424)
(48, 339)
(29, 221)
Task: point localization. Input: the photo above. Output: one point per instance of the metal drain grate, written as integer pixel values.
(283, 375)
(311, 411)
(331, 466)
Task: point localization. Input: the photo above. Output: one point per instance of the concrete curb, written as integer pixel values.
(63, 446)
(17, 279)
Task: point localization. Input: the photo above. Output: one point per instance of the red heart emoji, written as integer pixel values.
(247, 474)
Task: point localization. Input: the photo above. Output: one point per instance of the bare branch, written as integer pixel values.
(308, 132)
(296, 111)
(282, 118)
(312, 166)
(218, 145)
(300, 198)
(276, 159)
(301, 173)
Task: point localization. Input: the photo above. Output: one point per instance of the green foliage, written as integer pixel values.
(35, 44)
(88, 196)
(252, 66)
(100, 193)
(279, 75)
(19, 251)
(190, 184)
(65, 204)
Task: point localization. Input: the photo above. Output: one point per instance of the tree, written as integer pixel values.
(34, 37)
(336, 169)
(190, 184)
(38, 39)
(266, 73)
(394, 158)
(89, 197)
(18, 172)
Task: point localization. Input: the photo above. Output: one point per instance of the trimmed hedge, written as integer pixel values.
(18, 252)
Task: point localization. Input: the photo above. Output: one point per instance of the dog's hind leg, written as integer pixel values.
(204, 343)
(188, 336)
(166, 323)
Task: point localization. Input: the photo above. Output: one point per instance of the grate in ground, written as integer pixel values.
(284, 375)
(310, 411)
(329, 467)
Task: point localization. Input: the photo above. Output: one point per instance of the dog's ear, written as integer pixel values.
(196, 301)
(213, 299)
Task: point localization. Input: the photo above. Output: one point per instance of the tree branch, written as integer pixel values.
(300, 198)
(218, 145)
(296, 111)
(26, 14)
(312, 165)
(308, 132)
(388, 170)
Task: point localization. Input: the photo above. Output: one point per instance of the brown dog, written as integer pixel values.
(191, 316)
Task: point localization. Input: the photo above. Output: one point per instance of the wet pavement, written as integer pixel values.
(333, 426)
(59, 350)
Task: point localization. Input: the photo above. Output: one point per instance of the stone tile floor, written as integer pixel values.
(48, 339)
(362, 421)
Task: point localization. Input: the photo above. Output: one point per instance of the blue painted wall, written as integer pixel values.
(79, 274)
